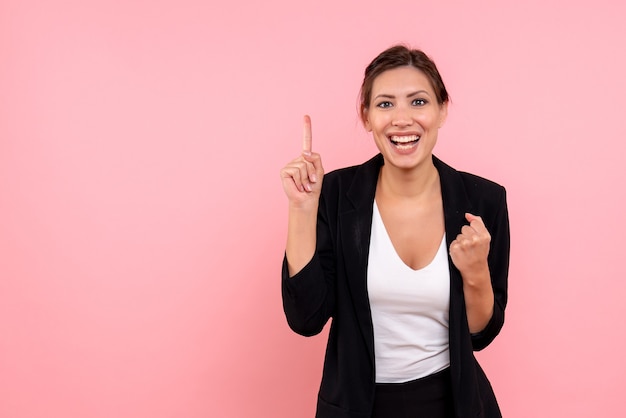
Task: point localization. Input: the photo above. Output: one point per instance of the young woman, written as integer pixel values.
(408, 256)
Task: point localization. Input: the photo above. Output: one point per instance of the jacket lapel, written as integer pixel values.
(355, 222)
(455, 204)
(455, 200)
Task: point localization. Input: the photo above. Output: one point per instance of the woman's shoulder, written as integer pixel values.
(471, 181)
(346, 175)
(474, 181)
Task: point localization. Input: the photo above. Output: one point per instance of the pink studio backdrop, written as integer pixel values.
(142, 220)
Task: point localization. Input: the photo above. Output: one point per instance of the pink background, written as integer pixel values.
(142, 220)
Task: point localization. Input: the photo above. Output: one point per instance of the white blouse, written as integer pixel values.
(409, 310)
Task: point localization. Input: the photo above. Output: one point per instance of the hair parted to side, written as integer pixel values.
(400, 56)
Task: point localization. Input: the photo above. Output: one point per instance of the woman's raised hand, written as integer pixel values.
(469, 252)
(302, 177)
(302, 182)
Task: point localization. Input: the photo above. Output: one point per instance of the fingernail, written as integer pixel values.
(313, 178)
(308, 187)
(306, 153)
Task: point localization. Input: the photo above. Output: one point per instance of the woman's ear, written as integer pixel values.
(365, 120)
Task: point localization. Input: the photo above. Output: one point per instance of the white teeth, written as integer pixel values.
(404, 139)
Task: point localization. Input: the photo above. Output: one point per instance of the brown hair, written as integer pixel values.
(401, 56)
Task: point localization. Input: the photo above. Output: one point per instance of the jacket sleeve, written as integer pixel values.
(309, 296)
(498, 260)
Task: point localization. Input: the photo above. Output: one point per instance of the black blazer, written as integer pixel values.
(334, 284)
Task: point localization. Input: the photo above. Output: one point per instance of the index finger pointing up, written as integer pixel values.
(307, 139)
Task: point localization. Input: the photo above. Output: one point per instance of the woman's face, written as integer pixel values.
(404, 117)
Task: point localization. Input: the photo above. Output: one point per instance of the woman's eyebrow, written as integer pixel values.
(391, 96)
(416, 93)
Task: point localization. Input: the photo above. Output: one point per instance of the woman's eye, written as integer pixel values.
(419, 102)
(384, 105)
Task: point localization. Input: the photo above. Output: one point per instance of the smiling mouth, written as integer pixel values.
(404, 142)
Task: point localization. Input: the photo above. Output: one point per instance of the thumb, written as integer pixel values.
(470, 217)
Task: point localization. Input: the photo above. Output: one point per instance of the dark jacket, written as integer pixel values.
(334, 284)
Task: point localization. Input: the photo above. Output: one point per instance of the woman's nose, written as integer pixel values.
(401, 117)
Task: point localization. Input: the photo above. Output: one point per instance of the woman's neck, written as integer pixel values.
(415, 183)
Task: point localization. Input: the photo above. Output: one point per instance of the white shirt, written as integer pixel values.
(410, 310)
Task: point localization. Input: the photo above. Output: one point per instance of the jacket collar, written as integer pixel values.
(363, 188)
(455, 200)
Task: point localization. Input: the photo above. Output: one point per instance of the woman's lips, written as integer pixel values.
(404, 141)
